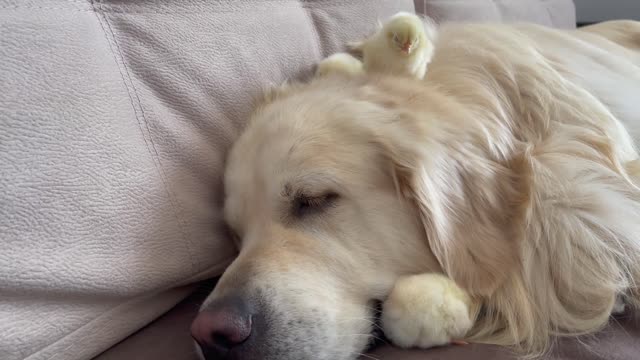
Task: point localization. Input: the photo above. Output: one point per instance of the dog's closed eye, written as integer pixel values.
(304, 205)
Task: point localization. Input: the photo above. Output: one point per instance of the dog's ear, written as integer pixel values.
(468, 204)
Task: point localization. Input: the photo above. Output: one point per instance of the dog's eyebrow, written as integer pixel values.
(312, 183)
(287, 190)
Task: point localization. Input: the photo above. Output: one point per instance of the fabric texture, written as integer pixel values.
(115, 118)
(555, 13)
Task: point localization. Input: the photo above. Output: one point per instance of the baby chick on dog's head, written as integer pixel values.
(405, 32)
(403, 45)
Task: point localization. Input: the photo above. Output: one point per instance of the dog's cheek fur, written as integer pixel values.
(469, 206)
(568, 197)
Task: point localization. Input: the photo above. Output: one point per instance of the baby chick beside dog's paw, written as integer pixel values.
(426, 310)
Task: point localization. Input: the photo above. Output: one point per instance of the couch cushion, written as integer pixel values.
(556, 13)
(115, 117)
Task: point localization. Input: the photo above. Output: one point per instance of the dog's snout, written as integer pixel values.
(222, 326)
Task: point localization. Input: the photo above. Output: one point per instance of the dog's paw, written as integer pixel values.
(340, 63)
(426, 310)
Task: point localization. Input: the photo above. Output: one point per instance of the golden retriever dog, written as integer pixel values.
(496, 200)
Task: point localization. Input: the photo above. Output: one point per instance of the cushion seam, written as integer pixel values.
(143, 123)
(318, 44)
(549, 15)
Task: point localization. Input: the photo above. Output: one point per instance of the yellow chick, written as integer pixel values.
(427, 310)
(342, 63)
(404, 45)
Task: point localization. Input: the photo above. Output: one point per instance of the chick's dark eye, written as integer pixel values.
(305, 204)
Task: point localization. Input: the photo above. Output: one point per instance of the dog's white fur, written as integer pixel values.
(510, 168)
(423, 310)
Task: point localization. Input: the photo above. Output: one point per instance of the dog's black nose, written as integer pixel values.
(224, 324)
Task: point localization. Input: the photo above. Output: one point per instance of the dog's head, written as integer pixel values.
(319, 195)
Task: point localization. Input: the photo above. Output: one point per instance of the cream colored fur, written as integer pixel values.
(511, 168)
(429, 309)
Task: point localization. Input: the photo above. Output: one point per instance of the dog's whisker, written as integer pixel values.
(368, 356)
(356, 318)
(370, 321)
(371, 336)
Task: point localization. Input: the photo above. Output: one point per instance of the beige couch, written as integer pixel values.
(115, 117)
